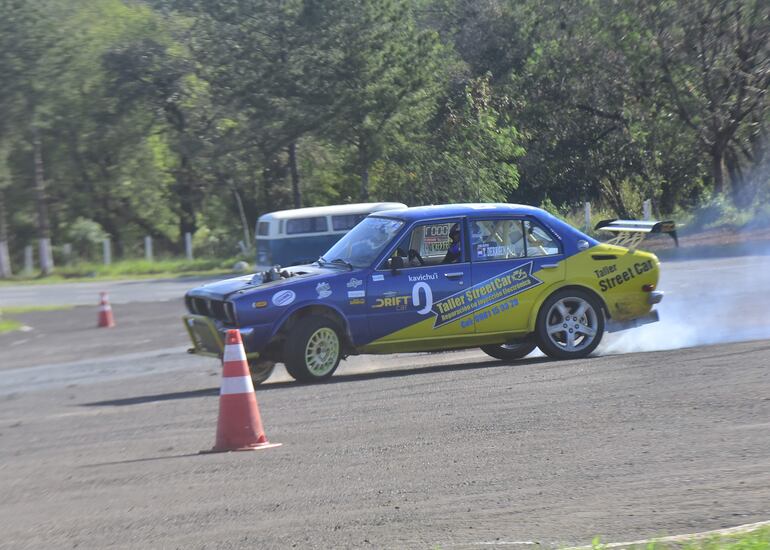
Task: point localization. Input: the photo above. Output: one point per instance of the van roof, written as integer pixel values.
(340, 209)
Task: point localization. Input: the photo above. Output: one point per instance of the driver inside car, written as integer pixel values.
(454, 253)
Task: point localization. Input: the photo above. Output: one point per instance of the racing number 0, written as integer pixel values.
(428, 297)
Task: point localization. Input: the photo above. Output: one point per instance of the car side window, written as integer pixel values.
(539, 241)
(432, 244)
(497, 240)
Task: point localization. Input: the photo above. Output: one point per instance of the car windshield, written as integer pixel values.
(361, 246)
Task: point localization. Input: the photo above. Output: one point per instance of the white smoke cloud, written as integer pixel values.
(708, 301)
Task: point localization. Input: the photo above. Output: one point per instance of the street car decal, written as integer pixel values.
(323, 289)
(485, 294)
(354, 283)
(617, 279)
(490, 313)
(284, 298)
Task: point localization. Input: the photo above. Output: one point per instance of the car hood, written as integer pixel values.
(222, 290)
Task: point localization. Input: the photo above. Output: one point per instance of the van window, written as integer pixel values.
(306, 225)
(343, 222)
(263, 229)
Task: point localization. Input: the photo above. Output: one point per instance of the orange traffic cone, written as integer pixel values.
(105, 312)
(239, 427)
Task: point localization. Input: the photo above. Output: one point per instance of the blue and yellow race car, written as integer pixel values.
(502, 277)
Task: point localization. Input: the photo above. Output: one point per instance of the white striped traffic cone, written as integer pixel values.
(105, 312)
(239, 427)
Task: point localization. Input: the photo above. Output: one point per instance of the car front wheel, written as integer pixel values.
(313, 349)
(570, 324)
(509, 352)
(260, 370)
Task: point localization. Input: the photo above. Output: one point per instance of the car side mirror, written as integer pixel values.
(395, 263)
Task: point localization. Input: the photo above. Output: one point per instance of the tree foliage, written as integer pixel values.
(173, 116)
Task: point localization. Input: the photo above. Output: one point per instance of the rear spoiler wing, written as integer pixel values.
(630, 233)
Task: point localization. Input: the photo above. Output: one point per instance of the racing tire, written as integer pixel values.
(509, 352)
(570, 324)
(260, 370)
(313, 349)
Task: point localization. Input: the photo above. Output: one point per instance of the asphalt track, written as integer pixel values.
(409, 451)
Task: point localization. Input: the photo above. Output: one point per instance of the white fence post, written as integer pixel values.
(5, 261)
(29, 262)
(188, 246)
(148, 248)
(67, 252)
(46, 256)
(107, 251)
(588, 216)
(647, 209)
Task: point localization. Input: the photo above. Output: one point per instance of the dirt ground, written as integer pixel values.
(64, 336)
(431, 454)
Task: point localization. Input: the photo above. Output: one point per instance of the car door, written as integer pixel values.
(423, 301)
(513, 261)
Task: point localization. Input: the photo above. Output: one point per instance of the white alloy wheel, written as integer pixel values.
(322, 351)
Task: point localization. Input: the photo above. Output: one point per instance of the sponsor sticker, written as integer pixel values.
(260, 304)
(399, 303)
(323, 289)
(423, 277)
(479, 296)
(613, 278)
(355, 283)
(378, 277)
(484, 250)
(284, 298)
(357, 301)
(356, 294)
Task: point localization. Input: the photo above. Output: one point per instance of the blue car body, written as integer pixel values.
(490, 297)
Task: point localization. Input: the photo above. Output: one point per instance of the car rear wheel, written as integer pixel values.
(260, 370)
(509, 352)
(313, 349)
(570, 324)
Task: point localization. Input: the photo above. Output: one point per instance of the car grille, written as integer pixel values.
(219, 310)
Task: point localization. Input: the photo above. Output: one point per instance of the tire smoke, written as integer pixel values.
(707, 301)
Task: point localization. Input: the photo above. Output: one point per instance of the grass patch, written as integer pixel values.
(758, 539)
(30, 309)
(134, 269)
(9, 325)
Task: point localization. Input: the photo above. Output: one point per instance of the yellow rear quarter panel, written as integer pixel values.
(617, 275)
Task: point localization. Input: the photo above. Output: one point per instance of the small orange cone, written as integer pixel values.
(239, 427)
(105, 312)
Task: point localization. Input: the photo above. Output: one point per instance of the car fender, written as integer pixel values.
(295, 308)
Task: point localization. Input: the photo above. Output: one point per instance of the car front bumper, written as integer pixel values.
(207, 338)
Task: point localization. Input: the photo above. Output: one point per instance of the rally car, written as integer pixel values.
(502, 277)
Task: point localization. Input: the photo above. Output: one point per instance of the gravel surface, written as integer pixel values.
(427, 453)
(100, 432)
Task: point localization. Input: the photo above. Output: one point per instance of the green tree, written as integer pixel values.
(382, 73)
(468, 154)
